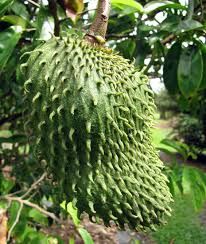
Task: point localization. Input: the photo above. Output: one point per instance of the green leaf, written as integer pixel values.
(194, 184)
(126, 48)
(38, 217)
(129, 3)
(183, 103)
(15, 20)
(141, 52)
(203, 81)
(170, 24)
(190, 71)
(72, 212)
(4, 4)
(186, 180)
(170, 68)
(11, 66)
(188, 25)
(174, 188)
(71, 240)
(13, 211)
(126, 11)
(198, 198)
(34, 237)
(168, 151)
(202, 178)
(52, 240)
(161, 5)
(3, 204)
(158, 50)
(41, 18)
(5, 133)
(121, 25)
(5, 185)
(8, 40)
(20, 10)
(14, 139)
(85, 236)
(181, 148)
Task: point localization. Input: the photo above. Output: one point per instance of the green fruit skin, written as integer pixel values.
(91, 112)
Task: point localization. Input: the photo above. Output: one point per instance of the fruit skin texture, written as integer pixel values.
(91, 112)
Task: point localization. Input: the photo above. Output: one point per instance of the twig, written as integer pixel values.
(34, 3)
(32, 205)
(119, 36)
(168, 39)
(146, 69)
(157, 21)
(16, 221)
(34, 185)
(86, 11)
(22, 202)
(32, 195)
(15, 193)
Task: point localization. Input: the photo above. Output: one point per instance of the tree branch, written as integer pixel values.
(10, 118)
(32, 205)
(99, 25)
(145, 71)
(119, 36)
(3, 225)
(21, 201)
(87, 11)
(15, 222)
(190, 11)
(53, 9)
(168, 39)
(34, 3)
(34, 185)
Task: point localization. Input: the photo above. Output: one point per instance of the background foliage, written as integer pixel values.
(165, 39)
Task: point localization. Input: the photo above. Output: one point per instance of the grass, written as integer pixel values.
(158, 134)
(183, 227)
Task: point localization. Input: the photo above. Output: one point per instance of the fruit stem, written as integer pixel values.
(98, 28)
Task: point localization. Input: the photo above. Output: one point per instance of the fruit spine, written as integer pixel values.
(91, 113)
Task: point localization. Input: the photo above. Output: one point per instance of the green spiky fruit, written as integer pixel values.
(91, 113)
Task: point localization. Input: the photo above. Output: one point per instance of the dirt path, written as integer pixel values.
(165, 124)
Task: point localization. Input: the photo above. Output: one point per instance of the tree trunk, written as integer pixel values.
(3, 226)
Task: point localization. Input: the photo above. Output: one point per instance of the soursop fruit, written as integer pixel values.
(91, 112)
